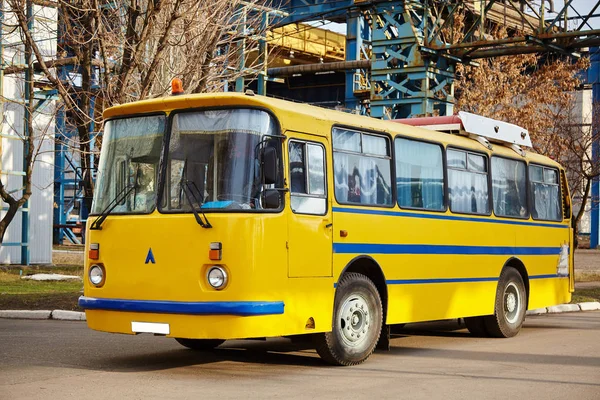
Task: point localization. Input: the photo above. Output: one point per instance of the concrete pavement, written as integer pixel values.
(554, 357)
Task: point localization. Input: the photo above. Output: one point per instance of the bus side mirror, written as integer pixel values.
(271, 199)
(269, 165)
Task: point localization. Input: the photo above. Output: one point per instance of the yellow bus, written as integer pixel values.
(229, 216)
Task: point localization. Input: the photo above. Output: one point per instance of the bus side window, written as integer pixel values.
(419, 175)
(545, 193)
(467, 182)
(362, 168)
(307, 178)
(509, 187)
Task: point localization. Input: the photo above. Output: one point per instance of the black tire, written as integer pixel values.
(357, 311)
(510, 305)
(476, 326)
(200, 344)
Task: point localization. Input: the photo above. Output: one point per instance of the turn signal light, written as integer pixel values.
(94, 252)
(215, 252)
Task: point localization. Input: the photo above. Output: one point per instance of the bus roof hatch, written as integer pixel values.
(472, 124)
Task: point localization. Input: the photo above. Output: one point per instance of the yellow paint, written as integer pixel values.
(288, 257)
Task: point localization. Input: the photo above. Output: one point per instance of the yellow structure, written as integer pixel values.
(303, 43)
(230, 216)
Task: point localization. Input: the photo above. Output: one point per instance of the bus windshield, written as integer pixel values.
(129, 164)
(214, 156)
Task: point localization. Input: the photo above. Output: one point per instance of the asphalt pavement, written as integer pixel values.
(554, 357)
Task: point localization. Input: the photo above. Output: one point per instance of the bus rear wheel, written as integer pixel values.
(357, 320)
(200, 344)
(510, 306)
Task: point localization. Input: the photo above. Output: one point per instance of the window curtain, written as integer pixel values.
(509, 187)
(360, 179)
(468, 192)
(546, 201)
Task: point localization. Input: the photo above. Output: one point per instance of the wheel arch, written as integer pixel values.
(367, 266)
(517, 264)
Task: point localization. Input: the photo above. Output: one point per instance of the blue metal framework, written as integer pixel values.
(71, 205)
(406, 80)
(412, 65)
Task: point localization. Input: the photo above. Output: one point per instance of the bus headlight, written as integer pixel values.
(96, 275)
(217, 277)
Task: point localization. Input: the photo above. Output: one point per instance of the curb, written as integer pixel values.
(61, 315)
(562, 308)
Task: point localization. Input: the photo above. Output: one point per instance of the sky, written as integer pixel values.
(583, 7)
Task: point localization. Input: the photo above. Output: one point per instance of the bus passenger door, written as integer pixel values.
(309, 214)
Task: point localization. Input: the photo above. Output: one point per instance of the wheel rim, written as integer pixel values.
(355, 320)
(512, 303)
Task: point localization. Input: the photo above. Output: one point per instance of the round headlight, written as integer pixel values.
(217, 277)
(96, 275)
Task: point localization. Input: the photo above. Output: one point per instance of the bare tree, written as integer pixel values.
(125, 50)
(577, 141)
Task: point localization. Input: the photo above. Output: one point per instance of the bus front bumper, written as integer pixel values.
(201, 320)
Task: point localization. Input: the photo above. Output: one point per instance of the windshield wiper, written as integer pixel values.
(188, 187)
(97, 224)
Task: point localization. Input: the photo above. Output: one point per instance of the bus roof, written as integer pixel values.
(294, 116)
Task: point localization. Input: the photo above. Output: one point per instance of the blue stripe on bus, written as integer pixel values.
(242, 308)
(458, 280)
(376, 248)
(444, 217)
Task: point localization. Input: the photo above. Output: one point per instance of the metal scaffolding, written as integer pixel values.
(412, 59)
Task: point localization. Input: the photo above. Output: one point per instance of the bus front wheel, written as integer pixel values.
(200, 344)
(510, 306)
(357, 320)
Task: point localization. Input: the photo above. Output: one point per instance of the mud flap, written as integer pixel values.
(384, 339)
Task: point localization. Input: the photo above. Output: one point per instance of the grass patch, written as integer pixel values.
(11, 282)
(583, 295)
(22, 294)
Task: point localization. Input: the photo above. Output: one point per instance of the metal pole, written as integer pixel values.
(1, 75)
(314, 68)
(27, 136)
(240, 81)
(353, 46)
(594, 79)
(263, 53)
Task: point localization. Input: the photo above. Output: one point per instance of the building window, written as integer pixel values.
(467, 182)
(307, 178)
(545, 193)
(362, 168)
(419, 175)
(509, 187)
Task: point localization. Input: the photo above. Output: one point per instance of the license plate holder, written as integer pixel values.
(150, 327)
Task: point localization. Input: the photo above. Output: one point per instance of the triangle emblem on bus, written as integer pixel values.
(150, 257)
